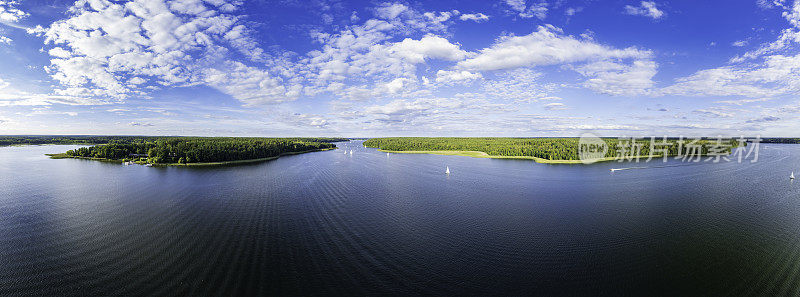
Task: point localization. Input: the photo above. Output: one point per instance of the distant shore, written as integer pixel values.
(476, 154)
(224, 163)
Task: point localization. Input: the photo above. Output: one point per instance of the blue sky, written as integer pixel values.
(407, 68)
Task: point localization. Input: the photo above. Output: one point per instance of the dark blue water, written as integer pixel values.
(366, 224)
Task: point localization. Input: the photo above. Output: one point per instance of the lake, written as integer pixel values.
(329, 223)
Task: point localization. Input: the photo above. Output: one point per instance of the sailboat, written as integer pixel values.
(351, 152)
(387, 154)
(447, 171)
(791, 176)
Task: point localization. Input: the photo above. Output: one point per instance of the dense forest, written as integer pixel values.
(184, 150)
(781, 140)
(22, 140)
(546, 148)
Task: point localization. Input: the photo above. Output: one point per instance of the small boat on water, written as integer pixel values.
(351, 152)
(447, 171)
(792, 175)
(148, 165)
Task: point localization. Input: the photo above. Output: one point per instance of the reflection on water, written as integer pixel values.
(368, 223)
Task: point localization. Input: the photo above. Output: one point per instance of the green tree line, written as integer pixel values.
(184, 150)
(546, 148)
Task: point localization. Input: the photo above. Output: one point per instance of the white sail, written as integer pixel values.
(447, 171)
(351, 152)
(792, 176)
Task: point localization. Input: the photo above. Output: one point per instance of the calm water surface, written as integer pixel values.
(365, 224)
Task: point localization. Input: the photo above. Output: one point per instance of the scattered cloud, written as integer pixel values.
(742, 101)
(772, 72)
(443, 76)
(140, 124)
(555, 106)
(9, 11)
(718, 113)
(645, 8)
(519, 7)
(740, 43)
(102, 45)
(764, 119)
(476, 17)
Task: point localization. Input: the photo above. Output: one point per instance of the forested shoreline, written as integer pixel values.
(177, 150)
(549, 148)
(58, 139)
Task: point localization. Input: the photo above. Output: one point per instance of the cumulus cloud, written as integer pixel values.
(519, 85)
(546, 46)
(519, 7)
(364, 60)
(476, 17)
(443, 76)
(771, 70)
(103, 44)
(776, 75)
(627, 71)
(9, 11)
(10, 96)
(764, 119)
(306, 120)
(645, 8)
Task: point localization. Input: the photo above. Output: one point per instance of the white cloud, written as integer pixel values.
(59, 52)
(572, 11)
(10, 96)
(546, 46)
(555, 106)
(646, 8)
(390, 10)
(306, 120)
(429, 47)
(740, 43)
(538, 9)
(443, 76)
(716, 112)
(362, 61)
(615, 78)
(9, 12)
(608, 70)
(774, 74)
(519, 85)
(477, 17)
(103, 48)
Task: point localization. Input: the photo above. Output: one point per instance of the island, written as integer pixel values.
(562, 150)
(178, 151)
